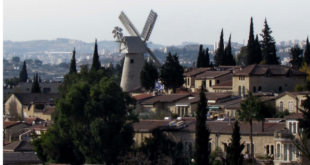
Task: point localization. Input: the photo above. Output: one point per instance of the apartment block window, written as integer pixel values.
(242, 78)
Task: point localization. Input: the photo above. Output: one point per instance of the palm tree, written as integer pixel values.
(251, 110)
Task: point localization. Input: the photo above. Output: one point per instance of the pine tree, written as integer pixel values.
(233, 151)
(171, 73)
(96, 63)
(206, 58)
(220, 53)
(307, 52)
(202, 133)
(229, 57)
(73, 64)
(257, 51)
(296, 57)
(268, 45)
(23, 76)
(35, 85)
(251, 46)
(148, 76)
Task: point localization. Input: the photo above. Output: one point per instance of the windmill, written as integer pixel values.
(134, 47)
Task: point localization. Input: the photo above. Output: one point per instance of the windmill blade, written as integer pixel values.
(128, 25)
(153, 57)
(149, 25)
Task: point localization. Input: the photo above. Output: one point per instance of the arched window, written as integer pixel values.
(278, 150)
(259, 88)
(280, 89)
(267, 150)
(239, 90)
(294, 128)
(271, 149)
(290, 126)
(210, 84)
(281, 106)
(243, 90)
(254, 89)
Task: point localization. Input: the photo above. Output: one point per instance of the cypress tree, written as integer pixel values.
(307, 52)
(148, 76)
(268, 45)
(207, 58)
(35, 85)
(296, 57)
(23, 73)
(229, 57)
(202, 133)
(220, 52)
(96, 63)
(258, 51)
(200, 57)
(251, 46)
(73, 64)
(234, 154)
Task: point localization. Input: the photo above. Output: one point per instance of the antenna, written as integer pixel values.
(149, 24)
(128, 25)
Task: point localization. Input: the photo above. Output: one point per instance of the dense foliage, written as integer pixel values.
(92, 123)
(307, 52)
(229, 57)
(219, 56)
(171, 73)
(12, 81)
(296, 57)
(35, 84)
(148, 76)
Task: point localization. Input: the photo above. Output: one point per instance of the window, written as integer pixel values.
(210, 84)
(271, 149)
(217, 81)
(291, 152)
(278, 150)
(281, 106)
(259, 88)
(267, 150)
(280, 89)
(242, 78)
(243, 90)
(290, 126)
(291, 105)
(188, 81)
(294, 128)
(131, 61)
(285, 151)
(239, 91)
(254, 89)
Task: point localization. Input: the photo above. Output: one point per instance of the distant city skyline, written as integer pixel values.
(178, 21)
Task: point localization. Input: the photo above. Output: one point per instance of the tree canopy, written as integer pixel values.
(268, 45)
(171, 73)
(251, 46)
(296, 57)
(307, 52)
(35, 84)
(229, 57)
(220, 52)
(148, 76)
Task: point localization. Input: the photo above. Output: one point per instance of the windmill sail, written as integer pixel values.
(149, 24)
(128, 25)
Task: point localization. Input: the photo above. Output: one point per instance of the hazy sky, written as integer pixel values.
(178, 20)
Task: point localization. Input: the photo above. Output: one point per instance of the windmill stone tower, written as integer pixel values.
(134, 48)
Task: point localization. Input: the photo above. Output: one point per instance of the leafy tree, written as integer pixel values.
(242, 56)
(258, 52)
(296, 57)
(251, 46)
(250, 110)
(91, 113)
(12, 81)
(35, 85)
(73, 64)
(220, 52)
(268, 45)
(307, 52)
(229, 56)
(148, 76)
(157, 146)
(23, 76)
(37, 62)
(234, 154)
(96, 63)
(171, 72)
(207, 58)
(202, 153)
(15, 59)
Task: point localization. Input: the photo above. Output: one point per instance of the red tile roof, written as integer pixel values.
(49, 110)
(165, 98)
(294, 116)
(143, 96)
(256, 69)
(226, 84)
(195, 72)
(7, 124)
(212, 74)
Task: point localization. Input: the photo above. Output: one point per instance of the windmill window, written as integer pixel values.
(131, 61)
